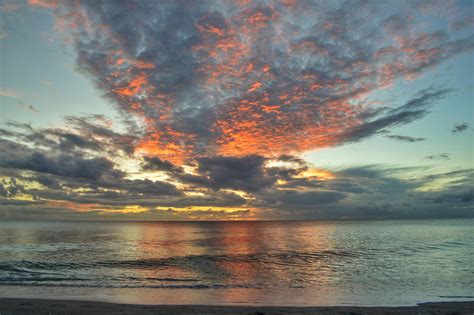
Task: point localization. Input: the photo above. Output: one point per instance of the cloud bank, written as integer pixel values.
(86, 171)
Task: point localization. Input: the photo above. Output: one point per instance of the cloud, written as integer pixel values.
(439, 157)
(10, 187)
(9, 93)
(89, 132)
(79, 169)
(415, 108)
(156, 164)
(460, 127)
(3, 191)
(295, 199)
(241, 173)
(19, 157)
(80, 183)
(405, 138)
(234, 79)
(46, 4)
(219, 97)
(465, 195)
(28, 107)
(462, 23)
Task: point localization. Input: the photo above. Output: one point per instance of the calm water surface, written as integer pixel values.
(296, 263)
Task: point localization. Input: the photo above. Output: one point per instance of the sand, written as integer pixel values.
(37, 306)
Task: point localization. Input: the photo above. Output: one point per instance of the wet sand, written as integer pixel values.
(37, 306)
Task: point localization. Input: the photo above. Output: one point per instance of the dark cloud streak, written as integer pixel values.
(460, 127)
(405, 138)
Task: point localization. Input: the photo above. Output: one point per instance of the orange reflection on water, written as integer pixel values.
(238, 257)
(238, 239)
(211, 262)
(163, 241)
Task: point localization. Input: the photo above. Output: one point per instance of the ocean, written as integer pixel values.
(225, 263)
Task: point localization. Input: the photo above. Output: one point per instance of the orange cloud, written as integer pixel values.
(47, 4)
(248, 78)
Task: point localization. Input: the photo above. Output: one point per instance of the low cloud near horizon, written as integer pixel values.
(60, 173)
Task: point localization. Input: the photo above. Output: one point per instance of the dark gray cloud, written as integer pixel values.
(465, 195)
(439, 157)
(47, 181)
(460, 127)
(245, 173)
(405, 138)
(16, 156)
(415, 108)
(10, 188)
(64, 161)
(462, 23)
(423, 99)
(28, 107)
(3, 191)
(82, 133)
(297, 199)
(347, 195)
(375, 192)
(157, 164)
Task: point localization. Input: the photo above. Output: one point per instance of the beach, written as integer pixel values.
(37, 306)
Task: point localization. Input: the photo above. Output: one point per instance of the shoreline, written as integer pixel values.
(56, 306)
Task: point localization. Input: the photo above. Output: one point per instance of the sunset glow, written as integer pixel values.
(236, 110)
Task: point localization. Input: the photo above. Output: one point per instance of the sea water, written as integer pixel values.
(266, 263)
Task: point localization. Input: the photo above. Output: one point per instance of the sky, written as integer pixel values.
(236, 110)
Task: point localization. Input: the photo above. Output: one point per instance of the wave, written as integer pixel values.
(127, 286)
(282, 257)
